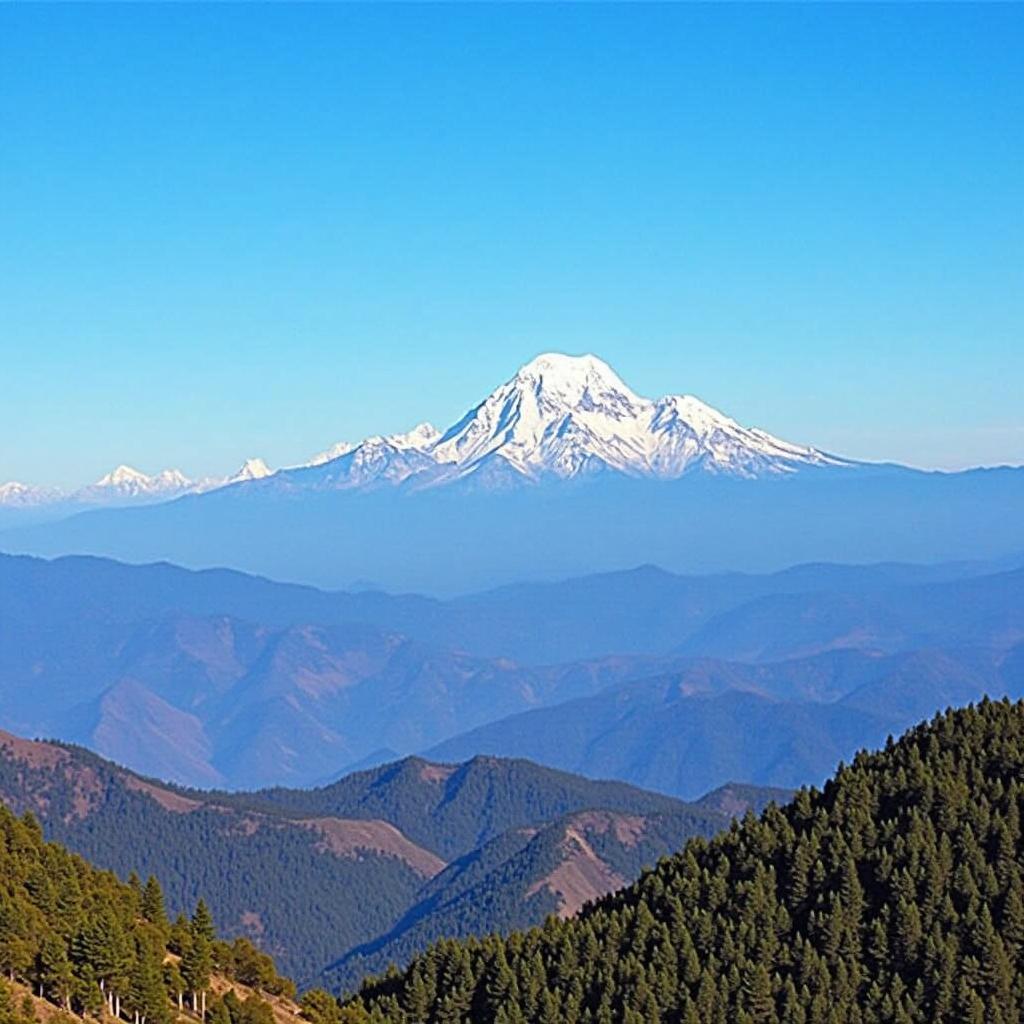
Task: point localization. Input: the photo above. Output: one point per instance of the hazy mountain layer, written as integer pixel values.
(217, 679)
(562, 470)
(784, 724)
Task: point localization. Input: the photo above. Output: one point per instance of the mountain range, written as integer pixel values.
(784, 724)
(217, 679)
(561, 470)
(558, 416)
(372, 868)
(122, 486)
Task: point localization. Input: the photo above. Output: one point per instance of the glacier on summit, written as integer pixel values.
(564, 415)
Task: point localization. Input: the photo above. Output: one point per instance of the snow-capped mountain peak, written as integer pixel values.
(122, 476)
(15, 494)
(566, 415)
(128, 482)
(251, 469)
(421, 437)
(574, 381)
(377, 460)
(689, 434)
(557, 414)
(335, 451)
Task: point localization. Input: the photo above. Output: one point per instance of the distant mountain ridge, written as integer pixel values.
(216, 679)
(784, 723)
(562, 470)
(122, 486)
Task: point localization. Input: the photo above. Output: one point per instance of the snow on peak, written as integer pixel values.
(336, 451)
(128, 482)
(122, 476)
(421, 437)
(386, 459)
(570, 378)
(15, 494)
(251, 469)
(565, 415)
(171, 480)
(557, 414)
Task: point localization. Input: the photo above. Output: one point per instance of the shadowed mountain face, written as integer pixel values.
(373, 866)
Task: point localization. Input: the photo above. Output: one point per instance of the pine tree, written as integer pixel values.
(147, 997)
(53, 970)
(153, 909)
(197, 961)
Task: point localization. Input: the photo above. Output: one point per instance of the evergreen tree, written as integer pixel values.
(153, 909)
(197, 962)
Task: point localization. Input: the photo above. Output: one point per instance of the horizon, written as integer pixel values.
(231, 237)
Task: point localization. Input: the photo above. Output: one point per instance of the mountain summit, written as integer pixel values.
(561, 416)
(564, 415)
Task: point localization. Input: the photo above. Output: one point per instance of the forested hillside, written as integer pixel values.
(895, 894)
(90, 943)
(453, 808)
(516, 879)
(371, 868)
(297, 889)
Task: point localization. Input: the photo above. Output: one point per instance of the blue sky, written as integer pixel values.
(253, 230)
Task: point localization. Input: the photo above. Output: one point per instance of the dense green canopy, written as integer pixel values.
(896, 894)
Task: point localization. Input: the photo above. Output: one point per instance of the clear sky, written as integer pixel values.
(254, 230)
